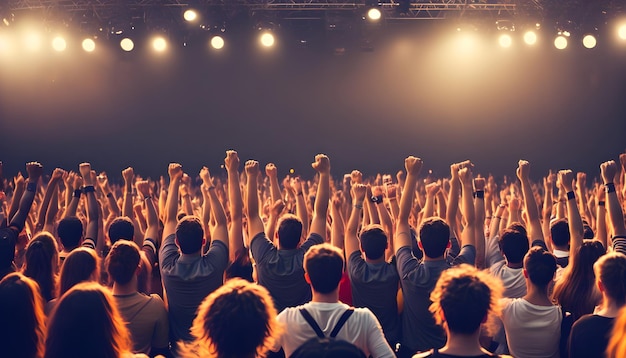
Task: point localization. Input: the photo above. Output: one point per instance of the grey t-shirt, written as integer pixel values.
(418, 279)
(375, 286)
(282, 271)
(187, 281)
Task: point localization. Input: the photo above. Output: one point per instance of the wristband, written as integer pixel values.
(479, 194)
(209, 188)
(571, 195)
(376, 199)
(89, 189)
(32, 187)
(77, 193)
(600, 203)
(358, 206)
(610, 188)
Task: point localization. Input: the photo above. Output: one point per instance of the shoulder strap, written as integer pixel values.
(342, 320)
(311, 321)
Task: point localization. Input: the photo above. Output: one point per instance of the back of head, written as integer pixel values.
(513, 244)
(465, 296)
(121, 228)
(540, 266)
(289, 232)
(41, 263)
(241, 266)
(373, 241)
(80, 265)
(236, 320)
(327, 348)
(86, 322)
(70, 232)
(123, 261)
(324, 265)
(559, 233)
(434, 235)
(610, 269)
(23, 321)
(8, 239)
(189, 234)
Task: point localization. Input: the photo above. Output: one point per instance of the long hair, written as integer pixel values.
(22, 327)
(236, 320)
(617, 343)
(576, 290)
(86, 323)
(42, 263)
(82, 264)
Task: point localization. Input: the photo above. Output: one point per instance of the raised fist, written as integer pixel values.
(57, 174)
(270, 170)
(175, 171)
(581, 180)
(566, 178)
(103, 180)
(465, 174)
(622, 159)
(252, 168)
(143, 187)
(231, 161)
(479, 184)
(78, 181)
(321, 164)
(515, 204)
(608, 171)
(358, 192)
(128, 174)
(296, 185)
(34, 170)
(432, 189)
(84, 169)
(413, 165)
(356, 177)
(523, 170)
(277, 207)
(205, 175)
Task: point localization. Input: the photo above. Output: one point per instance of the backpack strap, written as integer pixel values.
(342, 320)
(311, 321)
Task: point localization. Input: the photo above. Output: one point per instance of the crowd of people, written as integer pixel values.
(249, 265)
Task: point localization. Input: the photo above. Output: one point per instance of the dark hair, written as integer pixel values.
(434, 236)
(324, 265)
(82, 264)
(42, 263)
(610, 269)
(70, 232)
(241, 266)
(189, 234)
(513, 244)
(289, 232)
(327, 348)
(121, 228)
(123, 261)
(236, 320)
(373, 241)
(22, 327)
(8, 238)
(540, 266)
(559, 232)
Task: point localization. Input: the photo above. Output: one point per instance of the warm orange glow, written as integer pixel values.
(89, 45)
(267, 39)
(190, 15)
(621, 32)
(159, 44)
(560, 42)
(127, 44)
(530, 37)
(374, 14)
(505, 40)
(59, 44)
(589, 41)
(217, 42)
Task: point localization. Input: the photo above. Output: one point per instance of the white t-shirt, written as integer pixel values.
(532, 331)
(361, 329)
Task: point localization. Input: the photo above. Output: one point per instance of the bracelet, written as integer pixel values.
(497, 217)
(77, 193)
(358, 206)
(479, 194)
(209, 188)
(571, 195)
(376, 199)
(32, 187)
(147, 198)
(610, 188)
(601, 203)
(89, 189)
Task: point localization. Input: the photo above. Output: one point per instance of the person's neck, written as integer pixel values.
(609, 308)
(332, 297)
(126, 289)
(537, 295)
(514, 265)
(463, 344)
(427, 258)
(193, 255)
(375, 261)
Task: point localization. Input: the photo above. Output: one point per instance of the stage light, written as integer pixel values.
(621, 32)
(190, 15)
(530, 38)
(127, 44)
(217, 42)
(589, 41)
(505, 40)
(59, 44)
(374, 14)
(32, 42)
(159, 44)
(89, 45)
(267, 39)
(560, 42)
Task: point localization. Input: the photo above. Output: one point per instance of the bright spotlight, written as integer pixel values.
(59, 44)
(32, 42)
(89, 45)
(5, 44)
(159, 44)
(505, 40)
(560, 42)
(374, 14)
(621, 32)
(217, 42)
(190, 15)
(267, 39)
(589, 41)
(127, 44)
(530, 37)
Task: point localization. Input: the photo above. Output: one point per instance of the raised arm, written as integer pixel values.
(616, 215)
(220, 231)
(18, 193)
(402, 236)
(581, 190)
(185, 193)
(92, 203)
(337, 227)
(175, 172)
(57, 175)
(53, 210)
(432, 189)
(468, 235)
(601, 233)
(272, 173)
(127, 205)
(371, 202)
(535, 231)
(255, 224)
(235, 202)
(103, 182)
(351, 241)
(152, 218)
(574, 220)
(76, 189)
(301, 210)
(453, 200)
(479, 213)
(320, 210)
(18, 220)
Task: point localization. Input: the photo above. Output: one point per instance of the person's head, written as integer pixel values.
(236, 320)
(70, 232)
(610, 271)
(82, 264)
(323, 267)
(41, 263)
(464, 297)
(587, 231)
(434, 237)
(22, 327)
(86, 323)
(513, 244)
(8, 239)
(289, 232)
(123, 262)
(373, 242)
(241, 266)
(121, 228)
(189, 235)
(539, 267)
(559, 233)
(327, 348)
